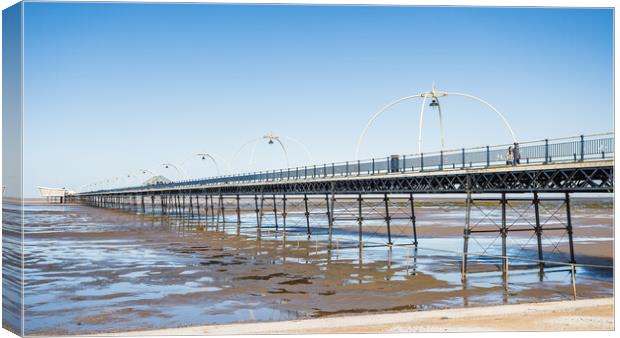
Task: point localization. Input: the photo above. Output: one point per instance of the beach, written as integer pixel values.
(584, 314)
(106, 271)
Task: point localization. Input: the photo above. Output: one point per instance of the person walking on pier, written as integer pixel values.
(509, 156)
(517, 154)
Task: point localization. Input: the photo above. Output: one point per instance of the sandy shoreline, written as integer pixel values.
(583, 314)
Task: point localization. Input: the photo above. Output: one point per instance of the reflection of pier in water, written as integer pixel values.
(361, 205)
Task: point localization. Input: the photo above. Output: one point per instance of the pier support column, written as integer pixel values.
(466, 234)
(223, 212)
(415, 231)
(329, 218)
(212, 210)
(206, 212)
(284, 216)
(275, 213)
(198, 208)
(386, 201)
(238, 216)
(538, 231)
(142, 203)
(360, 220)
(569, 228)
(256, 211)
(504, 232)
(191, 206)
(307, 214)
(260, 214)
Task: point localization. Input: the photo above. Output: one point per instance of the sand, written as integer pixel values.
(583, 314)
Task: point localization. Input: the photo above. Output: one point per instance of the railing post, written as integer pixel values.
(333, 170)
(546, 151)
(463, 157)
(359, 168)
(404, 163)
(347, 169)
(582, 143)
(373, 166)
(488, 157)
(324, 170)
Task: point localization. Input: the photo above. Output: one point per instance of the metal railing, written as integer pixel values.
(568, 149)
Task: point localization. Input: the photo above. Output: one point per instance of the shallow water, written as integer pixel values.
(101, 270)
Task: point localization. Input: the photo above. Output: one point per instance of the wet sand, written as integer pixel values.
(579, 315)
(95, 270)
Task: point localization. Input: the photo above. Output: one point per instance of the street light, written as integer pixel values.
(434, 95)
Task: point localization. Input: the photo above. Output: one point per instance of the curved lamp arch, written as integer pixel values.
(512, 134)
(377, 114)
(302, 146)
(205, 155)
(181, 173)
(435, 95)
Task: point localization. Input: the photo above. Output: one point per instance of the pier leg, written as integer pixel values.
(329, 218)
(538, 230)
(415, 231)
(261, 213)
(466, 234)
(142, 202)
(283, 216)
(387, 218)
(257, 215)
(504, 232)
(275, 213)
(198, 207)
(569, 228)
(360, 220)
(223, 211)
(238, 217)
(191, 206)
(206, 212)
(212, 210)
(307, 214)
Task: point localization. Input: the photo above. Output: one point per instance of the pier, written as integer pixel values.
(377, 197)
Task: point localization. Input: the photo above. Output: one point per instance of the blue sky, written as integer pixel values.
(111, 88)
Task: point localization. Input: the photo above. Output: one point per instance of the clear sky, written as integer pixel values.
(112, 88)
